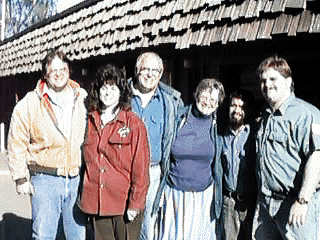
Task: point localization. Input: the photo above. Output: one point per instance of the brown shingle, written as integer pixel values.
(112, 26)
(294, 25)
(315, 27)
(296, 3)
(265, 29)
(305, 22)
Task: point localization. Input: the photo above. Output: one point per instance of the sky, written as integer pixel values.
(65, 4)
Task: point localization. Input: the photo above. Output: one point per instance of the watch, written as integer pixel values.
(301, 200)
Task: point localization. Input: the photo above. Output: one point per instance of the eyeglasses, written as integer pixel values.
(63, 70)
(153, 71)
(208, 97)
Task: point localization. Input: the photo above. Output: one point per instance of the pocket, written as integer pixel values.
(278, 138)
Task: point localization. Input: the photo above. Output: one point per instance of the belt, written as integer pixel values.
(284, 195)
(45, 170)
(34, 169)
(235, 195)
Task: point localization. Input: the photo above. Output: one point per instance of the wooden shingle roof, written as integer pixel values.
(108, 27)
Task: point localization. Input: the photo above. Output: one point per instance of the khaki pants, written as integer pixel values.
(116, 228)
(237, 217)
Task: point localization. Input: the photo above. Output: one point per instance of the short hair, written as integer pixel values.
(109, 73)
(143, 56)
(277, 63)
(248, 103)
(48, 59)
(210, 83)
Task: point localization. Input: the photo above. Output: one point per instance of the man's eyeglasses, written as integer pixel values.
(153, 71)
(56, 71)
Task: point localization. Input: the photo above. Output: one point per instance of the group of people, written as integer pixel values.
(136, 162)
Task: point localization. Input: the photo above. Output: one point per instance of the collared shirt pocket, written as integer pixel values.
(278, 138)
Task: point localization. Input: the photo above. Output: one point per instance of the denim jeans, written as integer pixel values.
(149, 229)
(271, 220)
(55, 197)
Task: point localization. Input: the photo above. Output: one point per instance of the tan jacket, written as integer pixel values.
(35, 141)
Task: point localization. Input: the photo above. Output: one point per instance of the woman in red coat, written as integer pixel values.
(116, 155)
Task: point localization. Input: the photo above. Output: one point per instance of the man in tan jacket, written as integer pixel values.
(44, 147)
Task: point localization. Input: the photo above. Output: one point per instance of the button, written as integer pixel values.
(101, 155)
(101, 185)
(102, 170)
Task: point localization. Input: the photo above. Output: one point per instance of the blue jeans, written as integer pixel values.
(55, 197)
(271, 220)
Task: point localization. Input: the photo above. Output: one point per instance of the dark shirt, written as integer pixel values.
(192, 155)
(238, 160)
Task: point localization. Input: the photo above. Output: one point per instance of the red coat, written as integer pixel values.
(116, 165)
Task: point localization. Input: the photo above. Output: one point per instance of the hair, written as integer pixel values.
(109, 73)
(48, 60)
(144, 55)
(212, 84)
(248, 103)
(277, 63)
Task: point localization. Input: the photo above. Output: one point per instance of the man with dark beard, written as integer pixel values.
(239, 181)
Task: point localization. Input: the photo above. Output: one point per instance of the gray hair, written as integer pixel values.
(145, 55)
(212, 84)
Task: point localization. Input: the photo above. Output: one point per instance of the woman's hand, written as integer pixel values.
(132, 214)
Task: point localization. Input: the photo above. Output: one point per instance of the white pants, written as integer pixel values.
(150, 228)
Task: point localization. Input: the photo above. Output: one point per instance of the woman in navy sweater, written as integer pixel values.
(193, 192)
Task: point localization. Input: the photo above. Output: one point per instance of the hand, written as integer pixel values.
(25, 188)
(298, 214)
(132, 214)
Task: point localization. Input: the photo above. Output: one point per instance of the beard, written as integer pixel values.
(236, 122)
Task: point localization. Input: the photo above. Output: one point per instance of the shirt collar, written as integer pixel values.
(52, 97)
(244, 128)
(136, 92)
(284, 106)
(121, 117)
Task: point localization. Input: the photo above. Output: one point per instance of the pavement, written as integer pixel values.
(15, 210)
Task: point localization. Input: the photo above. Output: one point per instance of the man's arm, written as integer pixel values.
(298, 212)
(18, 140)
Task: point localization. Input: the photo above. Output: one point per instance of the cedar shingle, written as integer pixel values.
(282, 24)
(296, 4)
(110, 26)
(315, 27)
(265, 29)
(305, 22)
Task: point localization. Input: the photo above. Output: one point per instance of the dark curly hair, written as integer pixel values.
(109, 73)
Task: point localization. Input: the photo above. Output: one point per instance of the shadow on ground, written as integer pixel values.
(13, 227)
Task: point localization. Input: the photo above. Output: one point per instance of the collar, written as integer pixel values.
(153, 93)
(283, 108)
(43, 90)
(244, 128)
(121, 117)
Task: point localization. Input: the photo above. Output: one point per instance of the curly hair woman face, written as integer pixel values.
(110, 92)
(109, 95)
